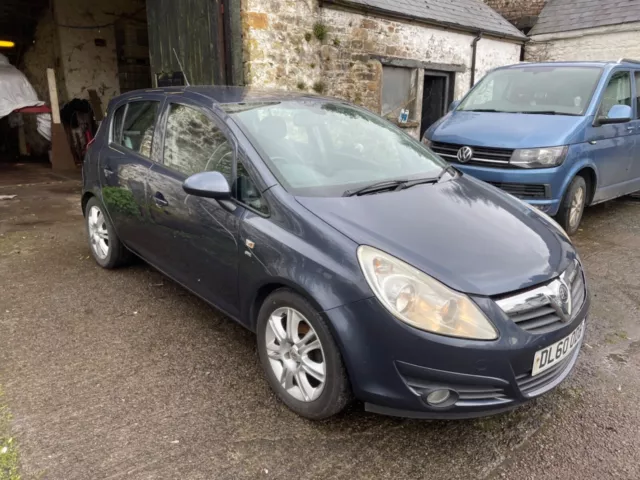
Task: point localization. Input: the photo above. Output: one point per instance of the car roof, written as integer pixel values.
(226, 94)
(600, 64)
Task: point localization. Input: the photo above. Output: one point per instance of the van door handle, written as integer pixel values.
(160, 201)
(630, 129)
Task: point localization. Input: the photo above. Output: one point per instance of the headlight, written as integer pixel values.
(419, 300)
(539, 157)
(426, 141)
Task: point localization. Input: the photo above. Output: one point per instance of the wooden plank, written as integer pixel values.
(53, 96)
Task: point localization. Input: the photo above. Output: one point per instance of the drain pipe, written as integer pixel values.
(474, 51)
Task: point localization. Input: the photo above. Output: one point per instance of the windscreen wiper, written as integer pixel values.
(376, 187)
(422, 181)
(484, 110)
(549, 112)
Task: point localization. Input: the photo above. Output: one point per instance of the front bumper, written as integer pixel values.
(515, 181)
(392, 366)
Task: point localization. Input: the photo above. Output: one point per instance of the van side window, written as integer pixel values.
(618, 92)
(637, 78)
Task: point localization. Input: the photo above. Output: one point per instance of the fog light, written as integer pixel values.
(438, 397)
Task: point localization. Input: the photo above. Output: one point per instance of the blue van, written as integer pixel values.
(560, 136)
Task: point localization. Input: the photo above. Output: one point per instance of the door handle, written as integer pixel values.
(630, 129)
(160, 201)
(107, 171)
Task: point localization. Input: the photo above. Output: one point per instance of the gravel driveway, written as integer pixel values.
(124, 374)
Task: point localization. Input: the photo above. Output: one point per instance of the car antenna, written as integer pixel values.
(181, 68)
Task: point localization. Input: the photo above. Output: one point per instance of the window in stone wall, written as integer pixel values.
(194, 143)
(399, 91)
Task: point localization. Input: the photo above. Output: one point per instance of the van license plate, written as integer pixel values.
(550, 356)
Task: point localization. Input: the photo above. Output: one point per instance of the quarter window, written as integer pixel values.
(618, 92)
(193, 143)
(247, 192)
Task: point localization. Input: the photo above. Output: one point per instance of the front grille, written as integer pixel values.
(468, 396)
(523, 190)
(533, 386)
(483, 156)
(534, 311)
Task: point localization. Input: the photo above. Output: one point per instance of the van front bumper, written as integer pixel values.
(541, 187)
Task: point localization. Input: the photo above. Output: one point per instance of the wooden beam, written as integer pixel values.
(53, 96)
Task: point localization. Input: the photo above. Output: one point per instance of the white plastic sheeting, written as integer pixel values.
(16, 92)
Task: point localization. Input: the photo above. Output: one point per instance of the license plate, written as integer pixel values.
(550, 356)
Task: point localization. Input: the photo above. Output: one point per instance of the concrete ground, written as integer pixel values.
(123, 374)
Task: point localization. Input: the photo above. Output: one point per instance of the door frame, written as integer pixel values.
(449, 88)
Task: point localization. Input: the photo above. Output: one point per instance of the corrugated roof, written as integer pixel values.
(566, 15)
(471, 15)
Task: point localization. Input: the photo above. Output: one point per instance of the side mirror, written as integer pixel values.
(453, 105)
(208, 185)
(617, 114)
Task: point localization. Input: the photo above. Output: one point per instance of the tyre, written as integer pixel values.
(300, 357)
(572, 206)
(106, 248)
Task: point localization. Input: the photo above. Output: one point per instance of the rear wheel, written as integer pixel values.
(300, 357)
(106, 248)
(572, 206)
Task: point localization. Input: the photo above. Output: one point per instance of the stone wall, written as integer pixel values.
(516, 10)
(602, 43)
(80, 64)
(85, 64)
(42, 54)
(297, 45)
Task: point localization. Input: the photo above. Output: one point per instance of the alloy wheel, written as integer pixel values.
(577, 205)
(98, 234)
(295, 354)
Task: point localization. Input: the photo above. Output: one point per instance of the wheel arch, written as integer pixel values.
(86, 196)
(266, 289)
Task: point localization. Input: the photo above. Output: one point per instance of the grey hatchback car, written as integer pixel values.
(367, 266)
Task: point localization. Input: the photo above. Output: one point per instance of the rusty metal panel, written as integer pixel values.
(194, 29)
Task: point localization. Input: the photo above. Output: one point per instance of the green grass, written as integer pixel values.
(8, 448)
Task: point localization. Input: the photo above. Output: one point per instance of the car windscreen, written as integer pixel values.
(559, 90)
(323, 148)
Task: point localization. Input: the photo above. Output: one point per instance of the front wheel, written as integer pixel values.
(572, 206)
(300, 357)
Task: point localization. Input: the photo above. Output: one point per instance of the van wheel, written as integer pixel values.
(572, 206)
(300, 357)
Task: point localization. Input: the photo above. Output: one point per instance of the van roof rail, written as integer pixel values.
(628, 60)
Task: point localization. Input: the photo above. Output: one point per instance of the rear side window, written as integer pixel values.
(193, 143)
(133, 126)
(116, 129)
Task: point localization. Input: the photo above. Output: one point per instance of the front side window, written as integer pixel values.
(325, 148)
(535, 89)
(133, 126)
(193, 143)
(618, 92)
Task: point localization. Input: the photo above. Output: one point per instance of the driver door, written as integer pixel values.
(194, 240)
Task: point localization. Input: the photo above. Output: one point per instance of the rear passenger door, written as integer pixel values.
(124, 167)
